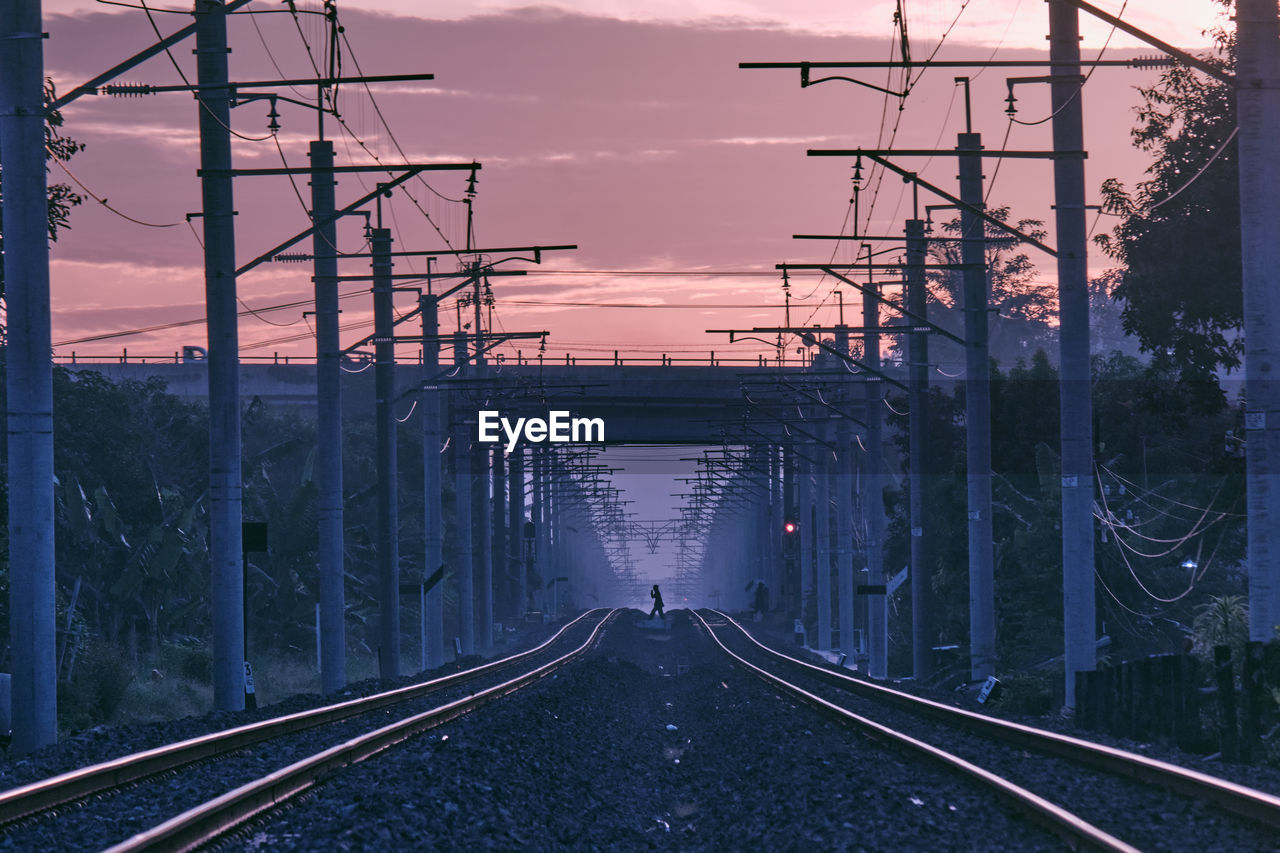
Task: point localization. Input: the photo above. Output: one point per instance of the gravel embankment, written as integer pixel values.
(1144, 816)
(1261, 776)
(105, 820)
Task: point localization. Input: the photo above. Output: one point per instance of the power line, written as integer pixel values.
(187, 83)
(1079, 88)
(102, 201)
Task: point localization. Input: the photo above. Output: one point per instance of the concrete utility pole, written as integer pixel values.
(515, 531)
(333, 645)
(806, 522)
(227, 573)
(773, 567)
(844, 508)
(29, 373)
(1078, 618)
(1258, 106)
(917, 299)
(462, 512)
(432, 482)
(385, 424)
(498, 572)
(873, 496)
(822, 550)
(977, 395)
(546, 569)
(536, 516)
(484, 540)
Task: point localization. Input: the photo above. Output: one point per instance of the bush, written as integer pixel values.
(100, 679)
(1028, 693)
(190, 661)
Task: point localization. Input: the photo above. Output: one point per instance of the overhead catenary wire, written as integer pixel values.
(102, 201)
(186, 82)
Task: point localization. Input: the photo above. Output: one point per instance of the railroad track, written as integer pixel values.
(25, 803)
(867, 705)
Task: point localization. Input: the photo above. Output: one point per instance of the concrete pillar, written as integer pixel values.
(917, 297)
(225, 553)
(29, 374)
(432, 481)
(1079, 618)
(977, 383)
(388, 540)
(330, 552)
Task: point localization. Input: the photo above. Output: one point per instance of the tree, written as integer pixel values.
(1169, 506)
(1023, 308)
(1178, 242)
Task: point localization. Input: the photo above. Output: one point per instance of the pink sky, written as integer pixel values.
(623, 127)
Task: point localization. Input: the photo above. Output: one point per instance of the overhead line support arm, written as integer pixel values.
(976, 211)
(1181, 55)
(134, 61)
(360, 202)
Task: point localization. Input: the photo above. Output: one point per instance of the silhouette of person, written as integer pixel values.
(762, 598)
(656, 595)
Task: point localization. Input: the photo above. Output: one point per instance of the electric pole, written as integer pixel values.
(873, 495)
(462, 511)
(498, 570)
(917, 299)
(822, 534)
(227, 573)
(29, 374)
(483, 528)
(433, 514)
(1258, 106)
(844, 508)
(1075, 388)
(329, 509)
(805, 528)
(515, 529)
(385, 425)
(977, 395)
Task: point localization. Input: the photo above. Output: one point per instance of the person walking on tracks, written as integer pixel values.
(761, 603)
(656, 595)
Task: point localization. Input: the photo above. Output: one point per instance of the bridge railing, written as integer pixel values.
(567, 359)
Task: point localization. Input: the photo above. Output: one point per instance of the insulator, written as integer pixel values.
(1158, 61)
(292, 258)
(129, 90)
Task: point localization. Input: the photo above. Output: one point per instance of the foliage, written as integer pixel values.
(1024, 309)
(130, 508)
(101, 677)
(1178, 242)
(1223, 620)
(1168, 493)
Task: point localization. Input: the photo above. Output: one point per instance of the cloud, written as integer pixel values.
(772, 140)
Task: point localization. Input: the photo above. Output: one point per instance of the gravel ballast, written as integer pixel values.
(652, 740)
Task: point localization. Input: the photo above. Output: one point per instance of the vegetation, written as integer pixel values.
(131, 531)
(1170, 501)
(1178, 241)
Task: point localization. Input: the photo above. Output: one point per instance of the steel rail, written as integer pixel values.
(26, 800)
(1239, 799)
(1070, 827)
(217, 816)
